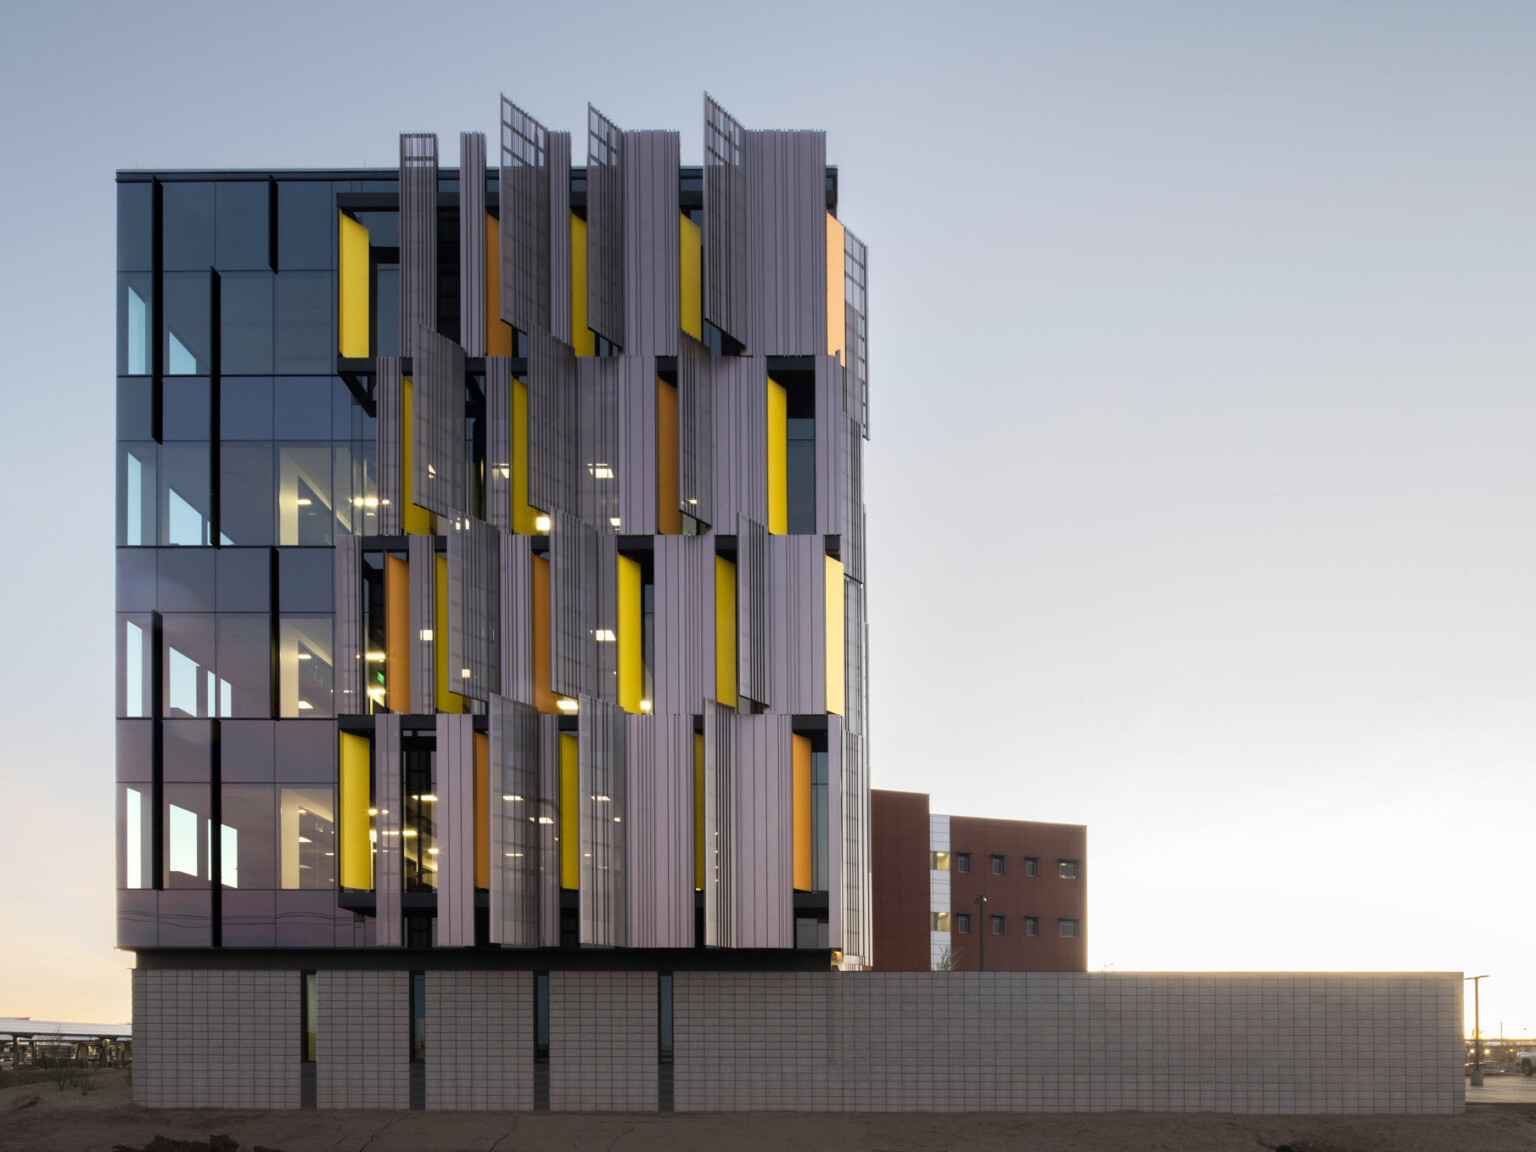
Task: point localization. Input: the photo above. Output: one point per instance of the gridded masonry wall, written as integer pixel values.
(362, 1051)
(1015, 1041)
(602, 1041)
(206, 1039)
(480, 1041)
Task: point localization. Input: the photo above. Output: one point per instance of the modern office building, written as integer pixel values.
(491, 569)
(967, 893)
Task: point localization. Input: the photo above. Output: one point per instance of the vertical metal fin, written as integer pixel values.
(552, 425)
(472, 242)
(548, 818)
(755, 659)
(559, 257)
(455, 814)
(740, 403)
(719, 825)
(725, 223)
(764, 822)
(388, 865)
(857, 934)
(516, 618)
(474, 608)
(418, 237)
(831, 446)
(635, 437)
(498, 442)
(652, 293)
(597, 468)
(573, 579)
(438, 435)
(524, 195)
(856, 265)
(514, 807)
(601, 794)
(423, 615)
(605, 227)
(659, 770)
(696, 430)
(786, 205)
(348, 657)
(388, 433)
(835, 852)
(685, 622)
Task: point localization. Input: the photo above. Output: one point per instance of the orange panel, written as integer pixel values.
(498, 333)
(801, 790)
(543, 693)
(482, 810)
(669, 521)
(397, 634)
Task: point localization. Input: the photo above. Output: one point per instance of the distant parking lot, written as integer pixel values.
(1508, 1088)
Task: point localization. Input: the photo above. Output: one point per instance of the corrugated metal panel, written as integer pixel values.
(696, 429)
(348, 657)
(787, 230)
(597, 471)
(719, 826)
(684, 654)
(388, 432)
(725, 223)
(525, 185)
(573, 579)
(856, 266)
(418, 236)
(854, 659)
(857, 933)
(423, 593)
(797, 586)
(605, 575)
(438, 381)
(472, 242)
(605, 227)
(764, 827)
(514, 807)
(552, 425)
(652, 295)
(740, 403)
(517, 618)
(852, 530)
(548, 817)
(474, 608)
(455, 814)
(560, 235)
(659, 777)
(835, 876)
(636, 436)
(388, 881)
(498, 441)
(601, 792)
(831, 446)
(756, 659)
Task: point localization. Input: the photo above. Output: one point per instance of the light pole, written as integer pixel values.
(1477, 1030)
(981, 933)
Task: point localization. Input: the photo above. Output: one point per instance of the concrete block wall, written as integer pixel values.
(602, 1041)
(480, 1041)
(362, 1050)
(216, 1039)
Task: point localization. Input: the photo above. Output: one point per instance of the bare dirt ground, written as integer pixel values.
(66, 1121)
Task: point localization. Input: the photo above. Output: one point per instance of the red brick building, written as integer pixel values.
(928, 871)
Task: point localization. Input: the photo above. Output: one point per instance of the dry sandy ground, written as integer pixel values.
(69, 1122)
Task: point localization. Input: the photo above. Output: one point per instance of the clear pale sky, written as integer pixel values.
(1201, 487)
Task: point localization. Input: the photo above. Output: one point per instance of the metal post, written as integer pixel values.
(1477, 1029)
(981, 933)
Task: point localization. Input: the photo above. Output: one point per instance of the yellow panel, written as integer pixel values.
(837, 318)
(570, 837)
(631, 658)
(415, 520)
(446, 701)
(690, 264)
(352, 288)
(778, 458)
(352, 816)
(523, 516)
(498, 333)
(482, 810)
(801, 792)
(397, 635)
(543, 692)
(669, 520)
(834, 636)
(583, 341)
(698, 811)
(725, 632)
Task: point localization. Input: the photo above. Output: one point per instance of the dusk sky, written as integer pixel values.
(1202, 479)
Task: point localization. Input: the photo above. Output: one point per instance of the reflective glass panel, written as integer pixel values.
(247, 837)
(185, 581)
(307, 836)
(304, 341)
(185, 411)
(306, 752)
(304, 663)
(135, 227)
(304, 225)
(356, 490)
(245, 408)
(191, 686)
(245, 665)
(137, 471)
(135, 750)
(134, 341)
(135, 408)
(304, 494)
(306, 579)
(188, 312)
(418, 831)
(244, 579)
(386, 310)
(245, 750)
(184, 498)
(186, 233)
(186, 751)
(302, 407)
(187, 823)
(135, 836)
(242, 224)
(135, 667)
(136, 580)
(245, 323)
(245, 493)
